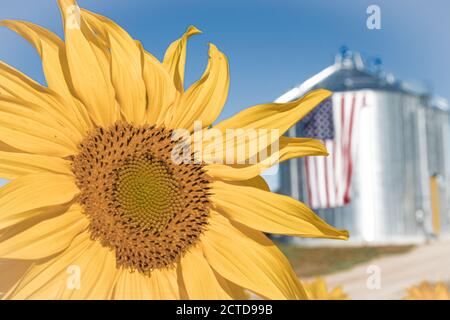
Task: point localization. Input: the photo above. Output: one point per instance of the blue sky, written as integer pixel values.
(271, 45)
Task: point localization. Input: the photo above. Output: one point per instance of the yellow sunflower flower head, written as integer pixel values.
(95, 191)
(428, 291)
(317, 290)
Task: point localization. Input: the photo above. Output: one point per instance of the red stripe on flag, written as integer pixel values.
(342, 144)
(349, 153)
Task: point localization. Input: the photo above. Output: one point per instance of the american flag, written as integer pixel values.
(329, 179)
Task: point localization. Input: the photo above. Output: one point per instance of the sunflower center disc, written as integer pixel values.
(147, 193)
(139, 202)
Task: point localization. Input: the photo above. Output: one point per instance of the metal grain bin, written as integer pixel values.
(401, 179)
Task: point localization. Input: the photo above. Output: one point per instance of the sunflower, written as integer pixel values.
(317, 290)
(428, 291)
(95, 194)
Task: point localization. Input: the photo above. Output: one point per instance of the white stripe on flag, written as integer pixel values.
(320, 167)
(331, 175)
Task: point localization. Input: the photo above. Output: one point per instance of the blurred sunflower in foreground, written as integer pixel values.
(94, 187)
(317, 290)
(428, 291)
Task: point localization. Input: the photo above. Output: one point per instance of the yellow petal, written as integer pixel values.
(27, 127)
(14, 84)
(318, 290)
(260, 126)
(50, 47)
(255, 182)
(85, 262)
(126, 66)
(199, 279)
(204, 100)
(161, 92)
(47, 237)
(10, 273)
(338, 294)
(275, 115)
(270, 212)
(34, 191)
(7, 148)
(165, 284)
(159, 285)
(289, 148)
(40, 274)
(246, 257)
(12, 224)
(52, 51)
(14, 165)
(132, 286)
(98, 271)
(89, 66)
(233, 290)
(175, 58)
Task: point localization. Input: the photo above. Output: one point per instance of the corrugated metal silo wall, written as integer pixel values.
(401, 143)
(438, 143)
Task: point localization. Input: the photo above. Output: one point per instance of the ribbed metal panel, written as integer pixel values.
(402, 142)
